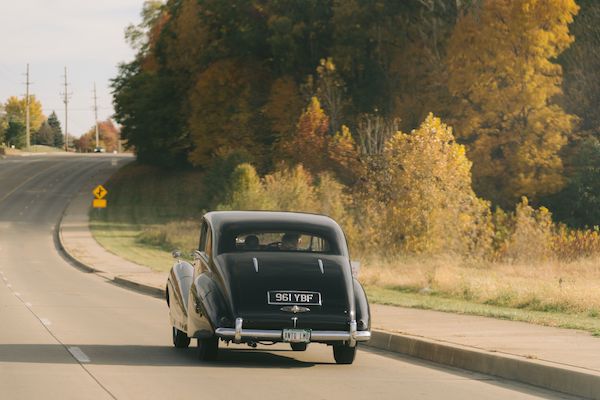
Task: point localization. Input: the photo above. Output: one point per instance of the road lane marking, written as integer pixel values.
(46, 321)
(17, 294)
(29, 305)
(79, 355)
(8, 285)
(27, 180)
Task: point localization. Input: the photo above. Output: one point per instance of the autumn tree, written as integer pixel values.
(504, 80)
(283, 107)
(424, 202)
(108, 137)
(15, 109)
(309, 144)
(222, 113)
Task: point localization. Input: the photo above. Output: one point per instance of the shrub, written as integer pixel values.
(216, 181)
(246, 191)
(291, 189)
(531, 236)
(572, 244)
(422, 197)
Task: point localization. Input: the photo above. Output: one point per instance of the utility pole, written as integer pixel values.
(96, 115)
(27, 129)
(66, 95)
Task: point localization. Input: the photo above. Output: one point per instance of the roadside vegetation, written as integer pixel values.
(457, 145)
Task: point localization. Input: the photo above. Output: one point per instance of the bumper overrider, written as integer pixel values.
(239, 334)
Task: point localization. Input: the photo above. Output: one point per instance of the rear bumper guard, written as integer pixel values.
(239, 334)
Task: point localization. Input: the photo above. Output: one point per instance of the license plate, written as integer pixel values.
(292, 297)
(296, 335)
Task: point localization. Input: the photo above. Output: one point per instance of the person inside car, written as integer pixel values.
(290, 241)
(251, 243)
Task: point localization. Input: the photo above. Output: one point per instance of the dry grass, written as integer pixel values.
(551, 286)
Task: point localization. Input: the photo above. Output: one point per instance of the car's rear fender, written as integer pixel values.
(208, 309)
(363, 313)
(178, 286)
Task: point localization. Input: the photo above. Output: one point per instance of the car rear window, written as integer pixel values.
(279, 241)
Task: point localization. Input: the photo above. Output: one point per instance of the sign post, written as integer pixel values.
(99, 194)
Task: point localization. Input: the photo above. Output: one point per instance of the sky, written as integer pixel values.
(85, 36)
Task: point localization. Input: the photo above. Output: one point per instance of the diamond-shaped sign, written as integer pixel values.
(99, 192)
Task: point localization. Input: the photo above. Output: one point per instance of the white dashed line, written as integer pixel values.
(29, 305)
(46, 321)
(79, 355)
(17, 294)
(8, 285)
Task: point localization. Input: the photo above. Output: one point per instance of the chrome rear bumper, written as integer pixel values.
(239, 334)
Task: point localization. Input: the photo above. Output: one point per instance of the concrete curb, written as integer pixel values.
(140, 287)
(119, 280)
(561, 378)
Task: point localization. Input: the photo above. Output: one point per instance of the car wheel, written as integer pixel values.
(299, 346)
(180, 339)
(208, 349)
(344, 354)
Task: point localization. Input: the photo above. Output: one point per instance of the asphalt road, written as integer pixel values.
(66, 334)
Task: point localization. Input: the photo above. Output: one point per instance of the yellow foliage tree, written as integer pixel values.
(247, 191)
(313, 146)
(15, 111)
(425, 200)
(531, 237)
(309, 144)
(283, 107)
(190, 38)
(222, 114)
(503, 79)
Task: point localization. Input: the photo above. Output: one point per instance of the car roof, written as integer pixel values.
(280, 220)
(219, 218)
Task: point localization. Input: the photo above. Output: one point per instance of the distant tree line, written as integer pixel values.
(44, 131)
(332, 84)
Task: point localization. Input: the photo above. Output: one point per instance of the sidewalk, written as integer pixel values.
(564, 360)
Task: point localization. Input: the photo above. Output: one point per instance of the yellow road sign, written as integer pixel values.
(99, 192)
(99, 203)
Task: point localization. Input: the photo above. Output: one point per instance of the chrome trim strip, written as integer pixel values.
(321, 265)
(276, 335)
(237, 334)
(255, 262)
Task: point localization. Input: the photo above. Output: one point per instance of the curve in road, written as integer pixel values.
(66, 334)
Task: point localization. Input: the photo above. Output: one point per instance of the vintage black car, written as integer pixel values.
(266, 277)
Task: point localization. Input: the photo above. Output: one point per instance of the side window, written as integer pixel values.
(203, 234)
(208, 248)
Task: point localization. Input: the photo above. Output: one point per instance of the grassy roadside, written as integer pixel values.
(144, 204)
(122, 240)
(404, 298)
(151, 213)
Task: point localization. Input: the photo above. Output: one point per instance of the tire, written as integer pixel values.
(299, 346)
(180, 339)
(344, 354)
(208, 349)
